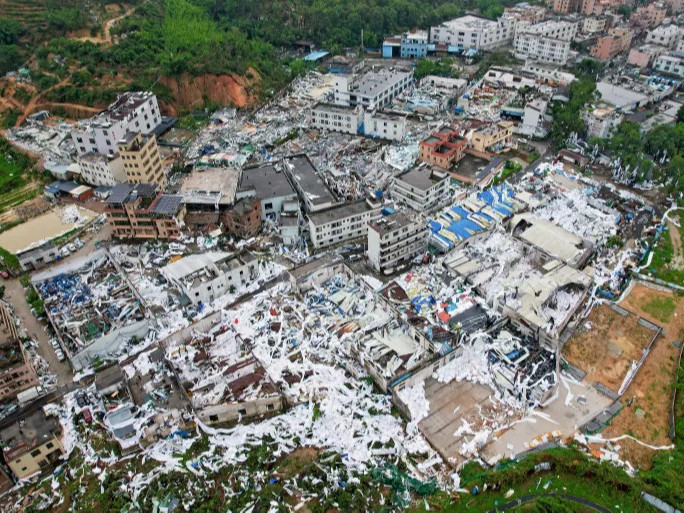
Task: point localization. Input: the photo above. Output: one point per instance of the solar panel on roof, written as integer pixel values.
(167, 204)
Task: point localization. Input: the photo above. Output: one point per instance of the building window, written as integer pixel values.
(35, 453)
(242, 411)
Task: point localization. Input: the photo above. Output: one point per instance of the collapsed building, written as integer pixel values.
(92, 307)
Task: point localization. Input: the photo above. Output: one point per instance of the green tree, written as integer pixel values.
(680, 114)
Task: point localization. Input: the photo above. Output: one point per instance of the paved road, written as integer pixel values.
(15, 296)
(38, 403)
(529, 498)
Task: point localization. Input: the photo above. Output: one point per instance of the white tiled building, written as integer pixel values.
(395, 240)
(384, 125)
(131, 112)
(372, 90)
(421, 189)
(665, 35)
(548, 41)
(102, 170)
(342, 223)
(474, 32)
(326, 116)
(670, 64)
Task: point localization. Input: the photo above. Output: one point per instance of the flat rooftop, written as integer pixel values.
(211, 184)
(267, 181)
(373, 83)
(342, 211)
(419, 178)
(35, 430)
(330, 107)
(469, 22)
(304, 174)
(391, 222)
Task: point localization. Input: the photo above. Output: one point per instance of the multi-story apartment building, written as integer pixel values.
(526, 12)
(493, 138)
(538, 48)
(131, 112)
(601, 122)
(561, 30)
(670, 64)
(326, 116)
(395, 240)
(32, 444)
(594, 24)
(665, 35)
(16, 370)
(384, 125)
(244, 219)
(534, 121)
(599, 7)
(414, 45)
(342, 223)
(566, 6)
(421, 189)
(645, 55)
(102, 170)
(141, 159)
(649, 16)
(474, 32)
(443, 148)
(617, 41)
(675, 6)
(372, 90)
(269, 184)
(140, 211)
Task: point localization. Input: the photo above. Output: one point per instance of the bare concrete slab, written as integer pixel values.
(556, 417)
(449, 403)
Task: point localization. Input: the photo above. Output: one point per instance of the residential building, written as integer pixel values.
(617, 41)
(541, 48)
(208, 276)
(553, 29)
(291, 223)
(208, 192)
(384, 125)
(422, 189)
(566, 6)
(372, 90)
(443, 148)
(31, 444)
(326, 116)
(594, 24)
(131, 112)
(269, 184)
(409, 45)
(599, 7)
(493, 138)
(99, 170)
(526, 12)
(665, 35)
(643, 56)
(675, 6)
(549, 75)
(395, 240)
(141, 211)
(313, 192)
(141, 159)
(600, 122)
(342, 223)
(16, 370)
(535, 120)
(455, 86)
(244, 219)
(670, 64)
(474, 32)
(680, 47)
(414, 45)
(649, 16)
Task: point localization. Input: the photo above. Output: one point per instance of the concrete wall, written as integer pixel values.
(230, 412)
